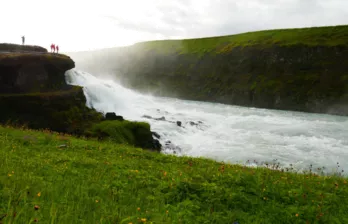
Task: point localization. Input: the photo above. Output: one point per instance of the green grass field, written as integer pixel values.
(19, 48)
(313, 36)
(51, 178)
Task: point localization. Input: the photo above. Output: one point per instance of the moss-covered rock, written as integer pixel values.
(66, 112)
(61, 111)
(125, 132)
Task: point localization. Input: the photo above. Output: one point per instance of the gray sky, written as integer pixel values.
(84, 24)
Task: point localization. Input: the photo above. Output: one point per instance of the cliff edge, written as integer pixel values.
(34, 93)
(36, 71)
(7, 47)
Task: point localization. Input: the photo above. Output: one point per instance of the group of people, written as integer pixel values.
(54, 48)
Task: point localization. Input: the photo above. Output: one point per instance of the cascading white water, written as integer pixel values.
(227, 133)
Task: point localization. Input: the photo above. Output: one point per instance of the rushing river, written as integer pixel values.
(227, 133)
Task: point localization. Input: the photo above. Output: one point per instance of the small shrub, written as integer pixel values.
(48, 138)
(123, 132)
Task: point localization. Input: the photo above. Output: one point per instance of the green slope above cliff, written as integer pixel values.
(16, 58)
(21, 48)
(314, 36)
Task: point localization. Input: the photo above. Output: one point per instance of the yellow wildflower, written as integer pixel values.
(143, 219)
(39, 194)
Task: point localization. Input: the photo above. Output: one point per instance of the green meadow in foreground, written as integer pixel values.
(50, 178)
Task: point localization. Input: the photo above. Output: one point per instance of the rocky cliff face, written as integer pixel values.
(34, 93)
(303, 78)
(301, 69)
(61, 111)
(33, 72)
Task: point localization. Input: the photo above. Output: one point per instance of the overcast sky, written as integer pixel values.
(92, 24)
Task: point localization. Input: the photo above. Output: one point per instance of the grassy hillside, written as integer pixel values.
(21, 48)
(314, 36)
(50, 178)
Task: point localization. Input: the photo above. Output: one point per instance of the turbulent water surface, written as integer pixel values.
(227, 133)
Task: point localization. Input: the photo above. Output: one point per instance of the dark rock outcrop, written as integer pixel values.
(160, 119)
(147, 116)
(126, 132)
(193, 123)
(111, 116)
(153, 118)
(156, 145)
(172, 147)
(156, 135)
(61, 111)
(33, 72)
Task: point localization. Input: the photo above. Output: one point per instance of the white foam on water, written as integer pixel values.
(227, 133)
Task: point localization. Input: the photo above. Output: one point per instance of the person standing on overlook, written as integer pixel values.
(57, 49)
(22, 38)
(52, 48)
